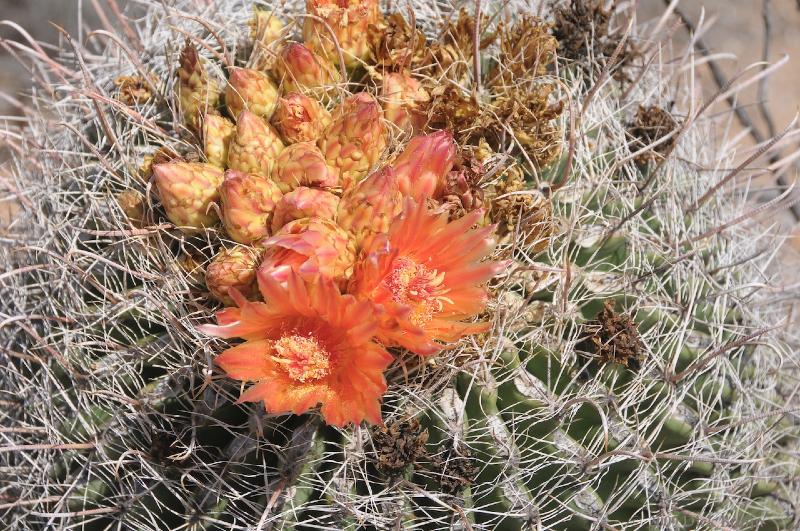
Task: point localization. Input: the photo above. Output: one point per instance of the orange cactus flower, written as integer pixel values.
(310, 247)
(307, 345)
(426, 277)
(423, 166)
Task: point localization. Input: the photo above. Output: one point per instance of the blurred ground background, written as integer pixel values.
(736, 29)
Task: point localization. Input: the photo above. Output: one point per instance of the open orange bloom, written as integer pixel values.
(426, 277)
(307, 345)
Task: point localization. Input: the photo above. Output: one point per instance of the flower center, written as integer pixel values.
(419, 287)
(302, 357)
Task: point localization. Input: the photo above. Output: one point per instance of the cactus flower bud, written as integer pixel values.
(404, 101)
(302, 164)
(250, 90)
(304, 203)
(356, 138)
(187, 190)
(371, 206)
(248, 202)
(349, 20)
(299, 118)
(301, 70)
(310, 247)
(197, 92)
(265, 32)
(424, 164)
(255, 147)
(217, 134)
(233, 268)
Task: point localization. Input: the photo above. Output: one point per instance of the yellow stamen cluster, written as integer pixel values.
(303, 358)
(420, 288)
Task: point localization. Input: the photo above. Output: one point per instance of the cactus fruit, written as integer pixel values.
(517, 314)
(404, 101)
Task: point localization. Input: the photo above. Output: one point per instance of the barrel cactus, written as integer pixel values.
(487, 267)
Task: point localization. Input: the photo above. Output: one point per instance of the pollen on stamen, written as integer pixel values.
(303, 358)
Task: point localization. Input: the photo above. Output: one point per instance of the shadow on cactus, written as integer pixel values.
(352, 268)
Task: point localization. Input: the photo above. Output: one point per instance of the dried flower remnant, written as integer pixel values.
(427, 278)
(197, 91)
(615, 337)
(248, 205)
(462, 192)
(299, 118)
(583, 31)
(530, 115)
(233, 268)
(311, 247)
(452, 109)
(517, 209)
(650, 125)
(451, 56)
(526, 51)
(309, 345)
(394, 44)
(133, 90)
(398, 445)
(187, 190)
(455, 468)
(349, 20)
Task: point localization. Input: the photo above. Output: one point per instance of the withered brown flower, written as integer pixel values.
(395, 44)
